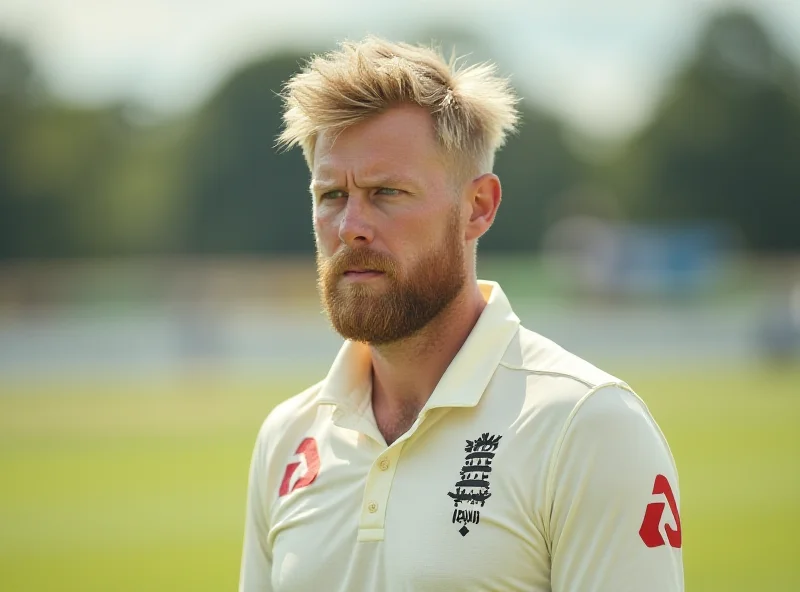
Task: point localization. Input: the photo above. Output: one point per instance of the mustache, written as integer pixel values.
(362, 257)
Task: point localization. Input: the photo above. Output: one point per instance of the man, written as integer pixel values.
(448, 448)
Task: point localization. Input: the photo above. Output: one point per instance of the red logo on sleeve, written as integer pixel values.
(650, 530)
(307, 450)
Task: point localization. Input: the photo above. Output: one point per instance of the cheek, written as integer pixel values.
(415, 249)
(326, 231)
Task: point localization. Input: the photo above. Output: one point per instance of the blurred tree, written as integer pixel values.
(76, 181)
(725, 143)
(537, 169)
(18, 91)
(59, 161)
(135, 205)
(241, 195)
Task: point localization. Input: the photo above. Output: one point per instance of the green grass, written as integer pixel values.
(142, 488)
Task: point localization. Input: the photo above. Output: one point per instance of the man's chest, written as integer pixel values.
(449, 509)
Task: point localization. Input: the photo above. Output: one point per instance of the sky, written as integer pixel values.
(600, 64)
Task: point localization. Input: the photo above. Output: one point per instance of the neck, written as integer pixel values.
(405, 373)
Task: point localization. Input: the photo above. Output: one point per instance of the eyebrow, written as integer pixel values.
(389, 180)
(318, 185)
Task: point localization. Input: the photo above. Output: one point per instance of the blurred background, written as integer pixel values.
(157, 292)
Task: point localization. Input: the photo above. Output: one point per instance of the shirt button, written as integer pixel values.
(372, 507)
(384, 464)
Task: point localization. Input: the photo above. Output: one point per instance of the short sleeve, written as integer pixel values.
(615, 522)
(256, 567)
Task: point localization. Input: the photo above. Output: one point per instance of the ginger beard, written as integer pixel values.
(405, 302)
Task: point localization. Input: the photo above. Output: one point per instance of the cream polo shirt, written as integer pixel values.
(527, 469)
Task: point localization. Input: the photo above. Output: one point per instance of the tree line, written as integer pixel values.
(722, 147)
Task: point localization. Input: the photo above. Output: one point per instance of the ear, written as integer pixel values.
(484, 195)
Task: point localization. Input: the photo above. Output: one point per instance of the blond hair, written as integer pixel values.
(472, 108)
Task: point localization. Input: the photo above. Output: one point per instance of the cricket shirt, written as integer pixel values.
(527, 469)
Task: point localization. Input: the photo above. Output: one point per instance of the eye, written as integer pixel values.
(335, 194)
(388, 191)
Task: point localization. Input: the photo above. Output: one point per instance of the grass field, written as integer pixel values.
(142, 488)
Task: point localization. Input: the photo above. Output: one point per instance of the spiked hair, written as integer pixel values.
(473, 109)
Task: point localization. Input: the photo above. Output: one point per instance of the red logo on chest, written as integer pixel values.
(650, 530)
(308, 451)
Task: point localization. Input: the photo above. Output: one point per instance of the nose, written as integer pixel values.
(355, 227)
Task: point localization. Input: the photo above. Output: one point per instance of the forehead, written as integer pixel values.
(401, 139)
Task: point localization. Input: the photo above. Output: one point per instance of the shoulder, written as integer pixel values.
(609, 424)
(573, 399)
(557, 382)
(538, 355)
(291, 416)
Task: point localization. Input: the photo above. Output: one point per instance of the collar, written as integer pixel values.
(348, 383)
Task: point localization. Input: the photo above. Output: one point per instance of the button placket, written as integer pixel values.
(377, 489)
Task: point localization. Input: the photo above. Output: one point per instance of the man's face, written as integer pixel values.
(390, 240)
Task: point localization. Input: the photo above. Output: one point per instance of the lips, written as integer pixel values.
(365, 273)
(361, 274)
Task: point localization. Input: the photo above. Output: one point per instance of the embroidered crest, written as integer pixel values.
(473, 488)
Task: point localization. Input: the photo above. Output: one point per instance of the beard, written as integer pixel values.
(407, 302)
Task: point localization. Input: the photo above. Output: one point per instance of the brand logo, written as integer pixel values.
(308, 453)
(650, 530)
(473, 488)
